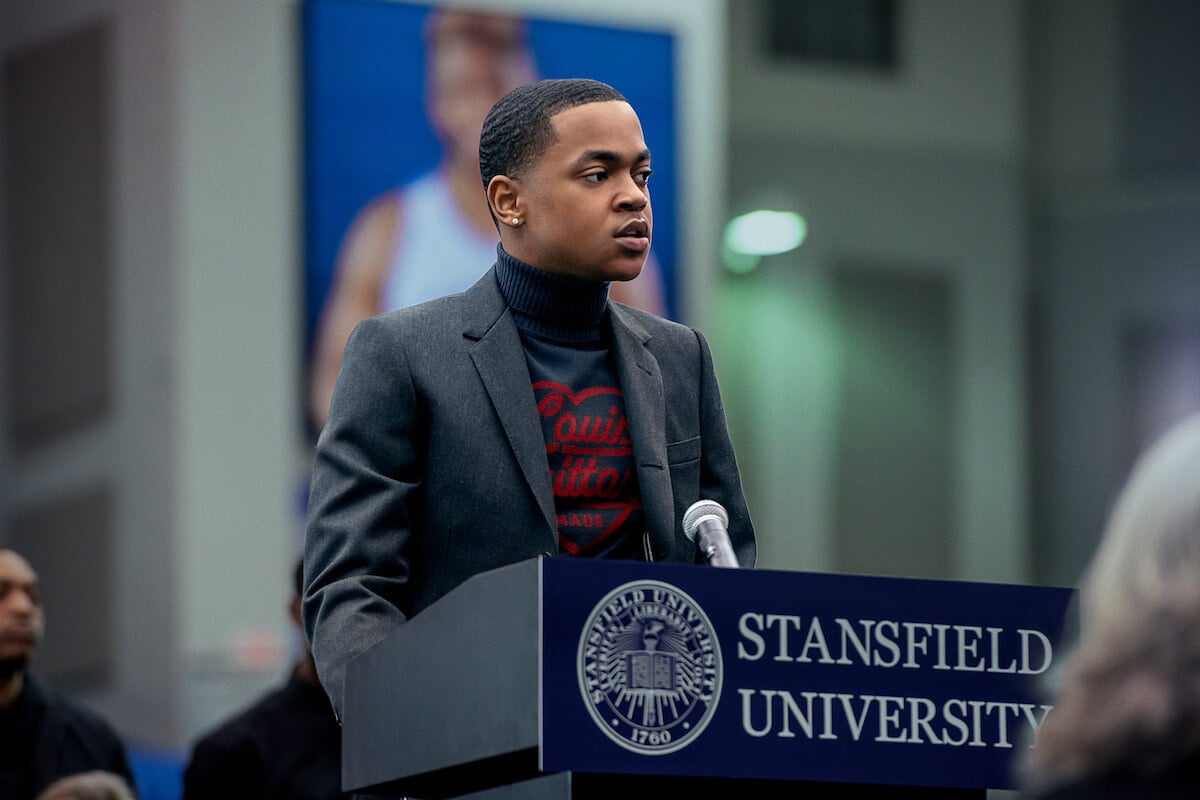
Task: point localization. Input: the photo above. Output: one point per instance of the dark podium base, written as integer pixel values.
(588, 786)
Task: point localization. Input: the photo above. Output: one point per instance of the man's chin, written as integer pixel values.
(13, 665)
(626, 271)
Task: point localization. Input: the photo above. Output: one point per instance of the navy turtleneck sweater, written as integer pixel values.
(567, 337)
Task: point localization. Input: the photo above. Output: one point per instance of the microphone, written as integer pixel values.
(706, 524)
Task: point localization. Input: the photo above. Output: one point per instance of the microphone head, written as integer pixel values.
(700, 509)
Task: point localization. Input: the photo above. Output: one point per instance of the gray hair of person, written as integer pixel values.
(517, 130)
(1129, 696)
(92, 785)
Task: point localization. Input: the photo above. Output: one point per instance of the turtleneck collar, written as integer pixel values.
(550, 306)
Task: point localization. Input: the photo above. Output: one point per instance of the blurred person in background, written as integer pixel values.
(1126, 715)
(43, 735)
(435, 235)
(287, 746)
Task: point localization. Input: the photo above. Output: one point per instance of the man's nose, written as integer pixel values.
(20, 601)
(632, 195)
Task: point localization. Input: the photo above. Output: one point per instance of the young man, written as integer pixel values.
(43, 735)
(528, 415)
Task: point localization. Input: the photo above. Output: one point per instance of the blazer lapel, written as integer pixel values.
(642, 385)
(500, 361)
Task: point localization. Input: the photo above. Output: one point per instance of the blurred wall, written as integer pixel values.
(182, 492)
(995, 310)
(911, 179)
(1114, 188)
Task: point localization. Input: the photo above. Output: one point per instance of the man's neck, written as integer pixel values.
(10, 688)
(556, 307)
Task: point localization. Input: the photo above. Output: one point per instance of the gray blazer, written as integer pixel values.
(432, 464)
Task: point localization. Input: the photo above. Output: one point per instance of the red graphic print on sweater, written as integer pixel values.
(592, 469)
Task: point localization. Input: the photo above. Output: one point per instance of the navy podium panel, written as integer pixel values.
(683, 670)
(615, 668)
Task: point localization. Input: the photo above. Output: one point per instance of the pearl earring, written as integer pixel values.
(516, 220)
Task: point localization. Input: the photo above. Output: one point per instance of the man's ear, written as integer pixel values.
(503, 194)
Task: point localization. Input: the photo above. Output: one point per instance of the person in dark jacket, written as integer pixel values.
(287, 746)
(43, 735)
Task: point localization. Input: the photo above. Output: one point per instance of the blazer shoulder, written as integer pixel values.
(472, 312)
(650, 325)
(676, 342)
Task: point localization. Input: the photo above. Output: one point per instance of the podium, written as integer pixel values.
(580, 678)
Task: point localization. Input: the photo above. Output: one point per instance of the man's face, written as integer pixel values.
(20, 610)
(585, 205)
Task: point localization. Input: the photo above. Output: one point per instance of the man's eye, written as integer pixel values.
(32, 591)
(643, 177)
(596, 177)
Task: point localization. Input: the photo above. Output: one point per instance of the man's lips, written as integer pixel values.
(635, 235)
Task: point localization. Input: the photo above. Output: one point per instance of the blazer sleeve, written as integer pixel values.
(719, 476)
(358, 529)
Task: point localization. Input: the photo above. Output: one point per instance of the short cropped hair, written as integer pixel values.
(517, 131)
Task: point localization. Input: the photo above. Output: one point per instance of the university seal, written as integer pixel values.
(649, 667)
